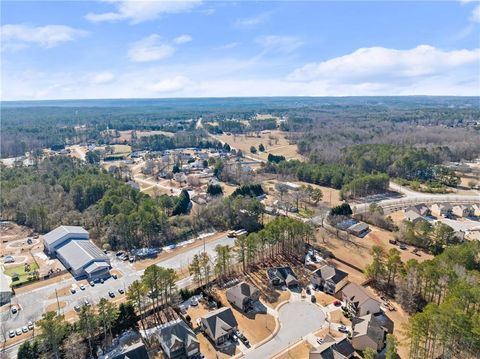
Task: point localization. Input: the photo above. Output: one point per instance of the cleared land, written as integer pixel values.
(127, 135)
(275, 142)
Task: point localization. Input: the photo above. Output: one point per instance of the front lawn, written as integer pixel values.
(24, 276)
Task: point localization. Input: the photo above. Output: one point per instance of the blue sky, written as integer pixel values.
(122, 49)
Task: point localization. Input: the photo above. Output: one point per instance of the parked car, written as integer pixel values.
(313, 299)
(308, 290)
(30, 325)
(14, 309)
(82, 287)
(77, 308)
(111, 294)
(121, 291)
(416, 251)
(9, 259)
(102, 280)
(245, 341)
(35, 236)
(402, 246)
(342, 329)
(119, 254)
(29, 241)
(114, 276)
(131, 259)
(18, 332)
(11, 334)
(92, 283)
(87, 303)
(25, 329)
(73, 290)
(337, 303)
(194, 302)
(392, 241)
(320, 341)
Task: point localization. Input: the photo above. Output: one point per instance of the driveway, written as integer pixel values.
(297, 319)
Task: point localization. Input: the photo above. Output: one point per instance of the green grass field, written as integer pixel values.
(23, 277)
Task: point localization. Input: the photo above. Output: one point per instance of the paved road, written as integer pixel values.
(412, 198)
(35, 302)
(297, 319)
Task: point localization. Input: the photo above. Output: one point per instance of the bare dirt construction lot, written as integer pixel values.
(10, 233)
(298, 351)
(275, 143)
(357, 251)
(255, 327)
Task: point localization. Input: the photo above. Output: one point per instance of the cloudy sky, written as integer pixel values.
(126, 48)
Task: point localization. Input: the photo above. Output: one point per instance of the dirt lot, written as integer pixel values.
(9, 234)
(299, 351)
(274, 142)
(331, 196)
(356, 251)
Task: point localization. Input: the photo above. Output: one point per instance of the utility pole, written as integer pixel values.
(58, 303)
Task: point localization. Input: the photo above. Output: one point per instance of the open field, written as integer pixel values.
(127, 135)
(275, 143)
(24, 276)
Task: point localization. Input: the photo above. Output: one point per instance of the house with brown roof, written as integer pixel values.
(243, 295)
(442, 210)
(463, 211)
(420, 209)
(358, 301)
(219, 325)
(329, 279)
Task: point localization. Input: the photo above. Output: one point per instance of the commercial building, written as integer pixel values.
(5, 289)
(72, 247)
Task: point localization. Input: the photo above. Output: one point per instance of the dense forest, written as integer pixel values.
(62, 190)
(442, 294)
(315, 124)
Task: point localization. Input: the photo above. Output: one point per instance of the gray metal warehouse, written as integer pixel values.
(71, 245)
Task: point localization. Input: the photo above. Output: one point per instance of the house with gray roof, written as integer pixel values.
(219, 325)
(358, 301)
(359, 229)
(333, 348)
(72, 247)
(370, 331)
(413, 217)
(282, 276)
(243, 295)
(329, 278)
(420, 209)
(178, 340)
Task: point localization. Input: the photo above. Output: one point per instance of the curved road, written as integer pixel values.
(297, 319)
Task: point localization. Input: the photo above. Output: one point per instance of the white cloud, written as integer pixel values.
(17, 36)
(170, 85)
(454, 72)
(383, 65)
(230, 45)
(137, 11)
(476, 14)
(182, 39)
(278, 43)
(253, 20)
(149, 49)
(102, 77)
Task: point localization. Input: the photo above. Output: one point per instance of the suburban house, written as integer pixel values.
(463, 211)
(178, 340)
(135, 350)
(71, 245)
(413, 216)
(243, 295)
(358, 301)
(359, 229)
(282, 276)
(420, 209)
(333, 348)
(329, 278)
(442, 210)
(219, 324)
(370, 331)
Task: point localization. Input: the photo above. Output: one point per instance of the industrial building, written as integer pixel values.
(72, 246)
